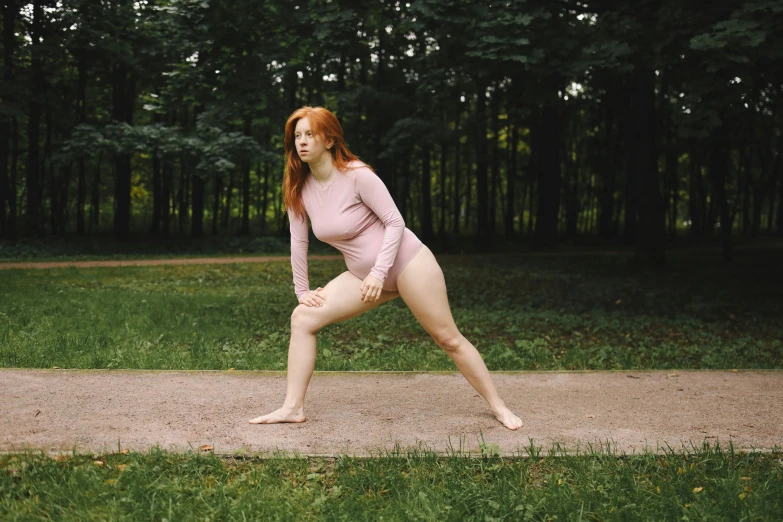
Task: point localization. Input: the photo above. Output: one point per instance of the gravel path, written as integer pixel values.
(365, 413)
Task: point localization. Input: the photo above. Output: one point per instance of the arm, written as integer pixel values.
(299, 244)
(375, 195)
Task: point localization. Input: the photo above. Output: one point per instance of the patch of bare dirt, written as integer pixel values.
(366, 413)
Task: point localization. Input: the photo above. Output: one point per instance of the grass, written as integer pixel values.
(522, 313)
(697, 483)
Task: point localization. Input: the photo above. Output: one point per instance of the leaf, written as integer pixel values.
(206, 447)
(698, 489)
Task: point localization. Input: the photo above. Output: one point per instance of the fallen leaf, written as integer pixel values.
(698, 490)
(590, 416)
(60, 458)
(744, 478)
(231, 369)
(633, 377)
(742, 496)
(748, 425)
(98, 462)
(122, 467)
(618, 301)
(668, 375)
(125, 451)
(734, 371)
(206, 447)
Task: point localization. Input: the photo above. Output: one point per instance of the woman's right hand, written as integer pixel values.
(314, 298)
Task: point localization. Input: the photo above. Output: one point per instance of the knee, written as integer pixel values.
(448, 339)
(303, 318)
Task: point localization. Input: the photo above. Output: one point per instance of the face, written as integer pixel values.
(309, 146)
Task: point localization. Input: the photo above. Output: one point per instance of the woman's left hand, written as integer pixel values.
(371, 289)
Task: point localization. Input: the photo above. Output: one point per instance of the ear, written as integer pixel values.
(330, 144)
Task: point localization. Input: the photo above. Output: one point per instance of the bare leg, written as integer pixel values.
(423, 288)
(343, 301)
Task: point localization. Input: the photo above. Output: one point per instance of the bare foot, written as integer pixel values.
(508, 418)
(282, 415)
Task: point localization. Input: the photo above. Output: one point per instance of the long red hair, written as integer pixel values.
(325, 126)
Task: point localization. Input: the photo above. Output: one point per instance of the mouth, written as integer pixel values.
(303, 152)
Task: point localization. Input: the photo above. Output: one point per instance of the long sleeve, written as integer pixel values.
(375, 195)
(299, 244)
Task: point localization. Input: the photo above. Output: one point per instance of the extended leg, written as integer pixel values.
(343, 301)
(423, 288)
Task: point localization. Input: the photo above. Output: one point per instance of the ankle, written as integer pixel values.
(293, 406)
(497, 407)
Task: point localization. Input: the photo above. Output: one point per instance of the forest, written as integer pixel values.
(526, 121)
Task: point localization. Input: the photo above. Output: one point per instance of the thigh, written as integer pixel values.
(423, 288)
(343, 301)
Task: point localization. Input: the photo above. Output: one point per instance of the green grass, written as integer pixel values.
(521, 312)
(698, 483)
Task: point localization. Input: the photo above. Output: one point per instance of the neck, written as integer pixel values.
(321, 168)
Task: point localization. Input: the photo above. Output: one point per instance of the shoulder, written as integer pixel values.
(360, 173)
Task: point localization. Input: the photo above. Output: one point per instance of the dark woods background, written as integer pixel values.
(526, 121)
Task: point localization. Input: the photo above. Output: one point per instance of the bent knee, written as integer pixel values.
(448, 339)
(303, 318)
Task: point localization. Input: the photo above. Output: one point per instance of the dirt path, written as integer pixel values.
(254, 259)
(148, 262)
(365, 412)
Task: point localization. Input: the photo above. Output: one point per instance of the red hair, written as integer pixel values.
(325, 126)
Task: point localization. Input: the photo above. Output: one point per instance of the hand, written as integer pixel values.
(314, 298)
(371, 289)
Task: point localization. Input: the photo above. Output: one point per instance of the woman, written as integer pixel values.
(351, 209)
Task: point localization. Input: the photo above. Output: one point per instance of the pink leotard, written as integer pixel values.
(355, 214)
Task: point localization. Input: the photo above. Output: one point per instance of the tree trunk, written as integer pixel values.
(81, 184)
(95, 195)
(7, 195)
(745, 183)
(244, 229)
(546, 136)
(123, 97)
(651, 231)
(607, 174)
(719, 170)
(572, 193)
(168, 183)
(182, 190)
(405, 171)
(218, 195)
(265, 195)
(33, 181)
(197, 205)
(457, 166)
(427, 234)
(157, 202)
(777, 180)
(442, 205)
(483, 231)
(511, 174)
(493, 192)
(229, 193)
